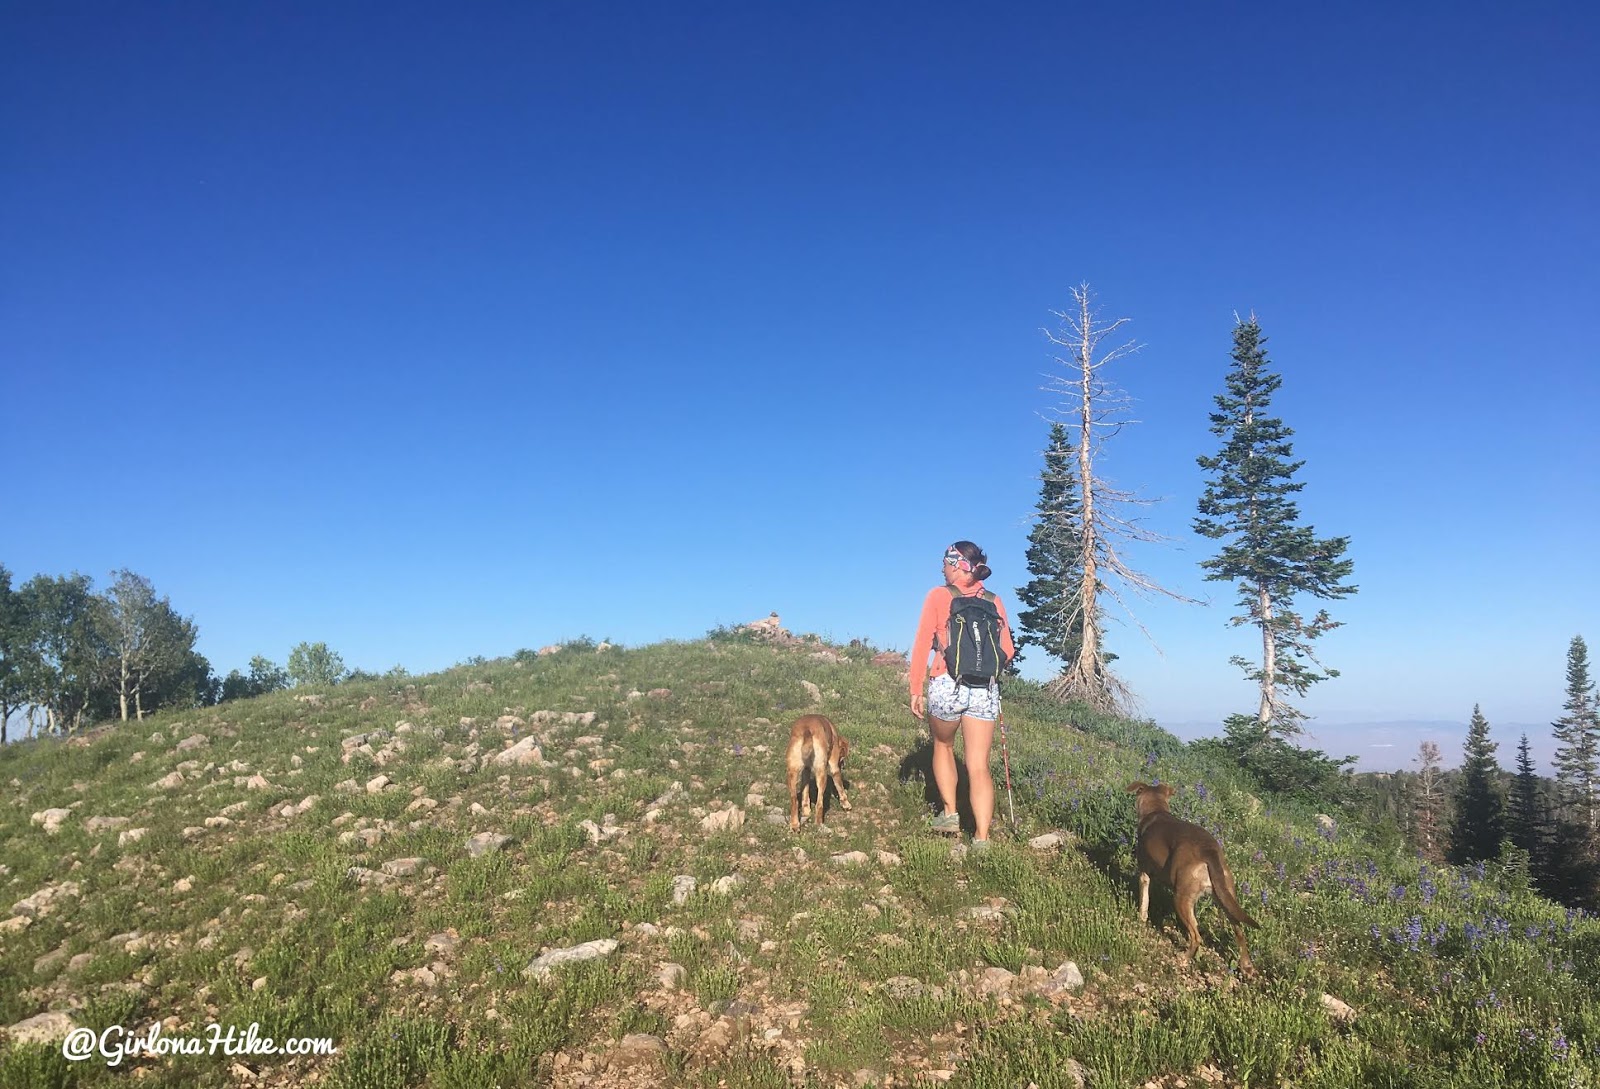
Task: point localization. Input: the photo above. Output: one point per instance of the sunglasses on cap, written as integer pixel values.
(952, 558)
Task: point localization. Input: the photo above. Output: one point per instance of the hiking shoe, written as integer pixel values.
(979, 846)
(948, 823)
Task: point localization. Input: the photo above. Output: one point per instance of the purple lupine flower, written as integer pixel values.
(1426, 889)
(1397, 893)
(1281, 870)
(1558, 1044)
(1479, 1039)
(1201, 791)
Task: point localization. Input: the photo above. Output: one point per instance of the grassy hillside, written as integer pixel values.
(319, 886)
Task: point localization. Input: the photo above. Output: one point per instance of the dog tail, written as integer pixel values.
(1222, 889)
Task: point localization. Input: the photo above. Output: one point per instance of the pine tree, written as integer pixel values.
(1525, 817)
(1479, 822)
(1428, 800)
(1577, 733)
(1053, 619)
(1270, 557)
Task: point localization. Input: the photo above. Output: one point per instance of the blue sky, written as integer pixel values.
(433, 333)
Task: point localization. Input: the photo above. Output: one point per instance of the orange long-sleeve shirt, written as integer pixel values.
(933, 628)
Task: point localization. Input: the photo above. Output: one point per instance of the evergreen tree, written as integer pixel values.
(1525, 818)
(1577, 733)
(1053, 619)
(1270, 557)
(1479, 822)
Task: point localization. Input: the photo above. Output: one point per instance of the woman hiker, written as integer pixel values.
(968, 703)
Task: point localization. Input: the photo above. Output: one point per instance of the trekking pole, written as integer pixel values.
(1005, 756)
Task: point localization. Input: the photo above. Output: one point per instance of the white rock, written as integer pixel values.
(193, 741)
(43, 1028)
(170, 781)
(524, 753)
(376, 784)
(542, 965)
(132, 835)
(683, 887)
(485, 842)
(725, 886)
(1047, 842)
(406, 867)
(1065, 978)
(851, 858)
(1337, 1009)
(44, 901)
(51, 819)
(724, 820)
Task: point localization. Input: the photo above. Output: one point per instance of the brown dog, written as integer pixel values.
(1188, 859)
(816, 750)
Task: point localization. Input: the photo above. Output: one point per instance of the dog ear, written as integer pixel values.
(1138, 788)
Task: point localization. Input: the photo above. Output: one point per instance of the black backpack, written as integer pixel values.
(972, 651)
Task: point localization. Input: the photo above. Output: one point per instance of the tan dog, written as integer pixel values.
(1188, 859)
(816, 750)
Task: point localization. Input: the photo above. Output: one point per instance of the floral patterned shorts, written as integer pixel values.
(949, 701)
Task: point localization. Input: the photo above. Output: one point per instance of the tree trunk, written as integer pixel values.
(1089, 652)
(1269, 658)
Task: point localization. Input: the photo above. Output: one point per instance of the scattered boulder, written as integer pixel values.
(524, 753)
(443, 943)
(485, 842)
(724, 820)
(170, 781)
(993, 982)
(1048, 842)
(542, 965)
(851, 858)
(192, 742)
(44, 1028)
(131, 835)
(376, 784)
(363, 876)
(406, 867)
(1065, 978)
(45, 901)
(683, 887)
(726, 886)
(51, 819)
(1338, 1010)
(637, 1049)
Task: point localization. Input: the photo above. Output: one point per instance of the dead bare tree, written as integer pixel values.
(1104, 525)
(1429, 801)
